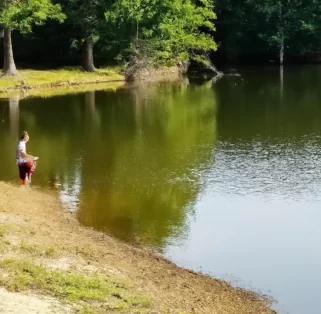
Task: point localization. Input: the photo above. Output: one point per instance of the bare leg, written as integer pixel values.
(26, 179)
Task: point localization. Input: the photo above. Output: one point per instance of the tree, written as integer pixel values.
(86, 16)
(258, 30)
(169, 30)
(285, 19)
(21, 15)
(235, 24)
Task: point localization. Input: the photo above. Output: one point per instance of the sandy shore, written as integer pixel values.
(35, 228)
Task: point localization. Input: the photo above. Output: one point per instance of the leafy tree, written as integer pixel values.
(285, 19)
(169, 30)
(237, 26)
(21, 15)
(86, 16)
(262, 29)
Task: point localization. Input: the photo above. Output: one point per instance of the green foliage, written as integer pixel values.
(85, 16)
(21, 15)
(168, 30)
(287, 20)
(165, 31)
(265, 26)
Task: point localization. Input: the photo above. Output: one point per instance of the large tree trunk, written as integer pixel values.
(9, 67)
(88, 58)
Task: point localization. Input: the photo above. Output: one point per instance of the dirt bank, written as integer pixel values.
(39, 239)
(167, 74)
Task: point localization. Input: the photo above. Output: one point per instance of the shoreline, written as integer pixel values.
(60, 84)
(53, 243)
(42, 80)
(44, 83)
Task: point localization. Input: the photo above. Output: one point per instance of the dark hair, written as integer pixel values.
(22, 137)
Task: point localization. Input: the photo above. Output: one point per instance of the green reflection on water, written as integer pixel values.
(145, 171)
(278, 104)
(128, 161)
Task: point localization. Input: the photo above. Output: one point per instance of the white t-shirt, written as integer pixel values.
(20, 148)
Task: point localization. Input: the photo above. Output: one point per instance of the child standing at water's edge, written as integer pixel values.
(26, 163)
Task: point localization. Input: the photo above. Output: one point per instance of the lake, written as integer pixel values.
(222, 178)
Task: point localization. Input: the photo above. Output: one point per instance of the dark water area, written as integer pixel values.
(222, 178)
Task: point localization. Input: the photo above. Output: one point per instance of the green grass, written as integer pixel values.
(50, 251)
(4, 229)
(4, 244)
(29, 249)
(69, 75)
(92, 293)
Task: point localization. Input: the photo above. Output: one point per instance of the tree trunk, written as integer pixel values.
(9, 67)
(282, 50)
(88, 60)
(137, 29)
(281, 32)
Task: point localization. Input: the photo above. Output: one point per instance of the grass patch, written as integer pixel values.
(100, 292)
(86, 251)
(68, 75)
(3, 244)
(2, 231)
(29, 248)
(50, 251)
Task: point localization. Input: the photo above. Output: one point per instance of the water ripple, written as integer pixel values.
(289, 170)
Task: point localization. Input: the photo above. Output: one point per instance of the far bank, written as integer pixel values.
(42, 82)
(69, 76)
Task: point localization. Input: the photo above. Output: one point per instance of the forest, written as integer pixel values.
(94, 33)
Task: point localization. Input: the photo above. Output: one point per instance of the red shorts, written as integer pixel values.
(26, 169)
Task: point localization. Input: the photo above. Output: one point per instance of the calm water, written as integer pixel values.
(225, 179)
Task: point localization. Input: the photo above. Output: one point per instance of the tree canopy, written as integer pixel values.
(170, 30)
(273, 28)
(21, 15)
(164, 31)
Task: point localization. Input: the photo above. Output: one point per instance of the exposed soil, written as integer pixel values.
(157, 74)
(17, 303)
(36, 216)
